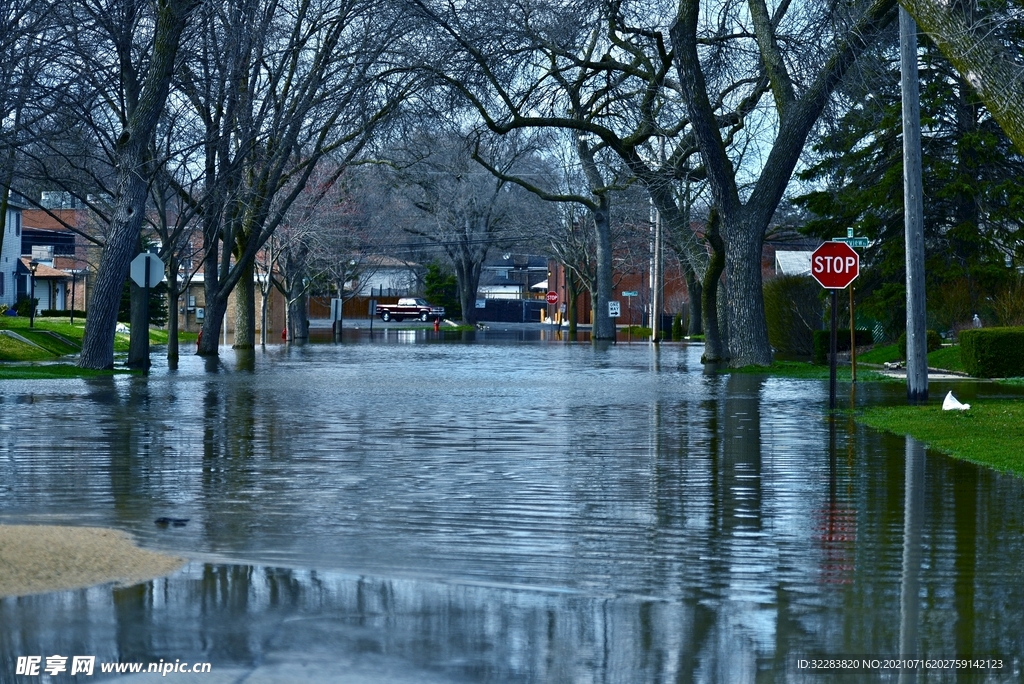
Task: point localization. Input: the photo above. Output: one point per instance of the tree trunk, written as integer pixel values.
(245, 309)
(467, 274)
(603, 324)
(570, 305)
(131, 187)
(298, 319)
(209, 337)
(138, 345)
(173, 295)
(694, 326)
(748, 330)
(714, 350)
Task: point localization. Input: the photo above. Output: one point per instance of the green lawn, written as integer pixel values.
(52, 371)
(991, 433)
(801, 369)
(879, 354)
(15, 350)
(947, 358)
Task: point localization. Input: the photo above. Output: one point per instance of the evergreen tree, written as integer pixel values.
(973, 192)
(441, 288)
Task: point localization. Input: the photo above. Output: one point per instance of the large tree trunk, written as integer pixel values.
(245, 309)
(748, 330)
(298, 319)
(467, 275)
(979, 56)
(209, 336)
(131, 187)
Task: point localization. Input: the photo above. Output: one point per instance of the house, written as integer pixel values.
(384, 276)
(514, 276)
(10, 251)
(38, 278)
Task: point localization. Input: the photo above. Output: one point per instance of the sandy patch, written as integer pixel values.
(40, 558)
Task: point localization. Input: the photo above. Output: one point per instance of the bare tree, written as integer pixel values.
(276, 87)
(144, 88)
(462, 208)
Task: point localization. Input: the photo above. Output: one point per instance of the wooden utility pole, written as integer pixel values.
(913, 203)
(657, 279)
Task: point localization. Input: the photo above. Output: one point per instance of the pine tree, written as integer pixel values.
(973, 192)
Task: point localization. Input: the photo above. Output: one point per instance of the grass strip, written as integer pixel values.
(54, 371)
(803, 370)
(991, 433)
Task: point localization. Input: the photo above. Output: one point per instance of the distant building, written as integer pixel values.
(11, 249)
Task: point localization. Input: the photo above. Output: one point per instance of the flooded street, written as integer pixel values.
(501, 509)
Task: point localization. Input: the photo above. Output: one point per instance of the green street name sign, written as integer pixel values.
(853, 241)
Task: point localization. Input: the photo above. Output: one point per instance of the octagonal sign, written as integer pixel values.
(835, 265)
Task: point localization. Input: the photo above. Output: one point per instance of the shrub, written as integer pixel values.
(792, 307)
(24, 306)
(677, 327)
(822, 342)
(62, 312)
(934, 341)
(993, 352)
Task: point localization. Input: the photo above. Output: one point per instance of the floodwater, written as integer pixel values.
(498, 507)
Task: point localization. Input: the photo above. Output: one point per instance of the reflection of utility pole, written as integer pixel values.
(913, 518)
(913, 208)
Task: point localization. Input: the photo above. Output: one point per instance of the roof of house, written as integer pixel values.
(42, 270)
(793, 262)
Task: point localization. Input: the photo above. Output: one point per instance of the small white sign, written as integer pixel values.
(481, 303)
(614, 310)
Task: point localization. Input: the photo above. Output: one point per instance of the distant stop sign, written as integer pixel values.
(835, 265)
(552, 297)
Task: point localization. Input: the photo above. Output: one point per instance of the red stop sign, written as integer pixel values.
(552, 297)
(835, 265)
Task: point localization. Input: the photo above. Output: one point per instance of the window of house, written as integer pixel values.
(1, 284)
(17, 224)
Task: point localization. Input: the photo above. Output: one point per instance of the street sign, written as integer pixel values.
(835, 265)
(630, 293)
(859, 242)
(614, 310)
(139, 272)
(552, 297)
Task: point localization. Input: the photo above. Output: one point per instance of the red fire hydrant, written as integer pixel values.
(284, 334)
(437, 323)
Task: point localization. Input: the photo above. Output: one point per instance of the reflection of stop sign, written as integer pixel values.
(835, 265)
(552, 297)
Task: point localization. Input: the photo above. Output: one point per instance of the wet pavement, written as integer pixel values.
(507, 507)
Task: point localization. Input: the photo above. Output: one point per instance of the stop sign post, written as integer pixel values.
(835, 265)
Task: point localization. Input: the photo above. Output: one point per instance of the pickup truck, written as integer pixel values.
(409, 307)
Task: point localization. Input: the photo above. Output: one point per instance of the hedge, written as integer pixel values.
(822, 342)
(934, 342)
(62, 312)
(993, 352)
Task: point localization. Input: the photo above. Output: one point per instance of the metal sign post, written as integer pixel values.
(835, 266)
(146, 270)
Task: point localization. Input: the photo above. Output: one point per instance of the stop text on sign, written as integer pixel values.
(835, 265)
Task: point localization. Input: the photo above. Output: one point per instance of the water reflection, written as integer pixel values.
(495, 511)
